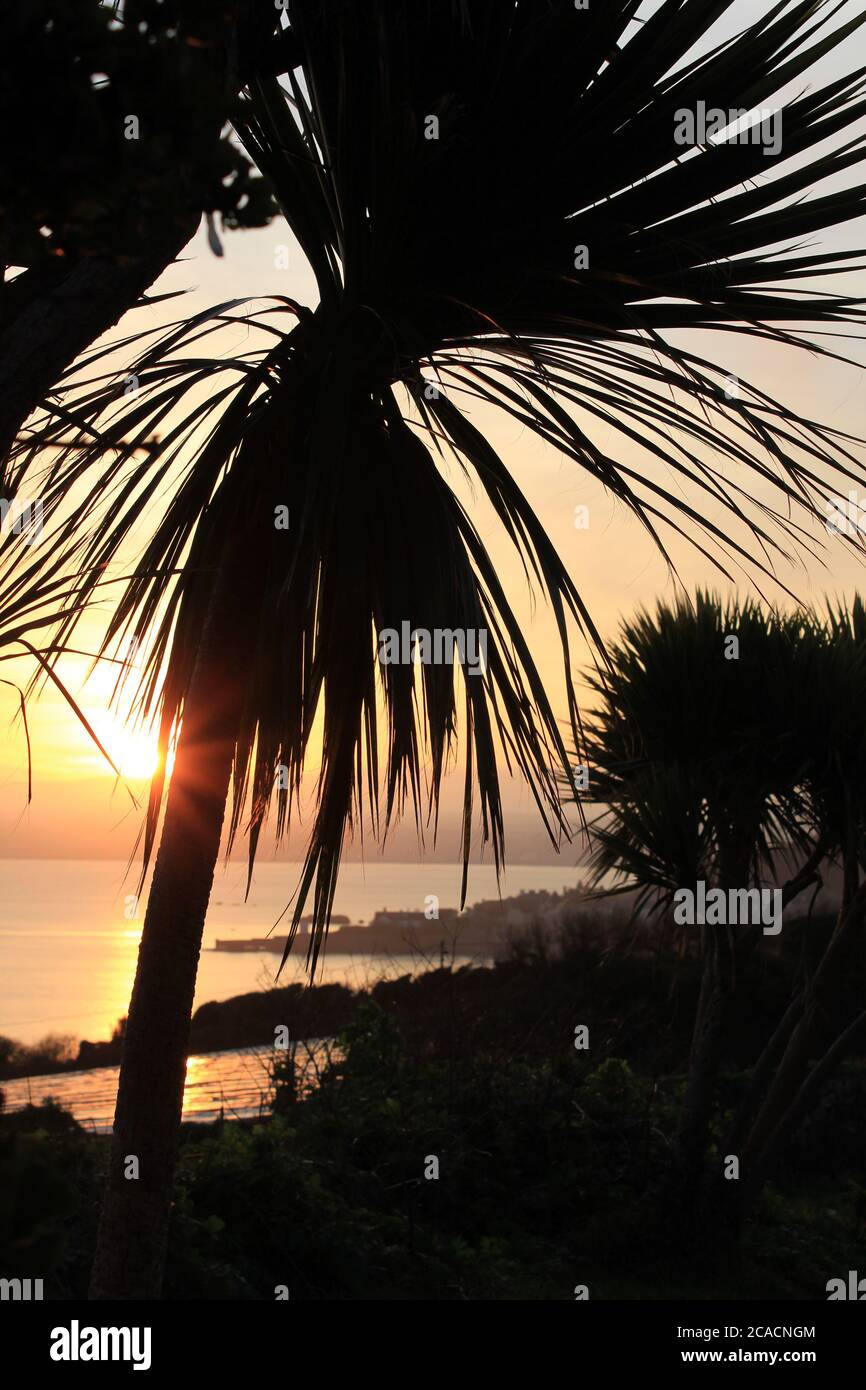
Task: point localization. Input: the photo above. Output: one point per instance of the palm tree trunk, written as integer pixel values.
(792, 1087)
(721, 951)
(774, 1049)
(704, 1060)
(762, 1076)
(718, 981)
(133, 1228)
(806, 1097)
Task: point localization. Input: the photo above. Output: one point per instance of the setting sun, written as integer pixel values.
(134, 751)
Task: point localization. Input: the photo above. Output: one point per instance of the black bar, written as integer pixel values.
(246, 1338)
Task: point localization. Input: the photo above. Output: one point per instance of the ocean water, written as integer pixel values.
(231, 1085)
(69, 933)
(235, 1085)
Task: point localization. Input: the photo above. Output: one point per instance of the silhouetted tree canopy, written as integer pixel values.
(111, 126)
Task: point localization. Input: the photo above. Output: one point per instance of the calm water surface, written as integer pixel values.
(69, 932)
(235, 1085)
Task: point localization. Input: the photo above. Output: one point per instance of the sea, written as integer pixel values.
(69, 934)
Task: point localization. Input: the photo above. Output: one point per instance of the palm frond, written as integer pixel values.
(709, 760)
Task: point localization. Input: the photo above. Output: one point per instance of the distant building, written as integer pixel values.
(405, 921)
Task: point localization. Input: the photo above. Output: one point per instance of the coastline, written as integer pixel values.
(484, 933)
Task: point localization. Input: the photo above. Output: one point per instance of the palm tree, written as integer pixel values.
(716, 770)
(698, 760)
(496, 209)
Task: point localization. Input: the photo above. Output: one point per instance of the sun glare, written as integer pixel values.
(133, 751)
(136, 753)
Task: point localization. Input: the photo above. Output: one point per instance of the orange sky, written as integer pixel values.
(77, 808)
